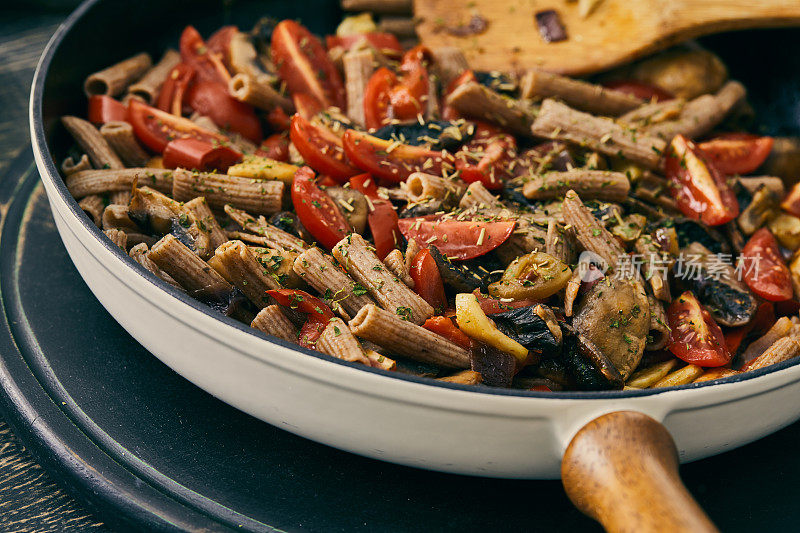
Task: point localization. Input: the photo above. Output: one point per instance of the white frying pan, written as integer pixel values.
(614, 450)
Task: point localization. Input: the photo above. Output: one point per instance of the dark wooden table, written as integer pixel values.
(29, 500)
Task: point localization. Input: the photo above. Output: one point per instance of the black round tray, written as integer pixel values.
(147, 449)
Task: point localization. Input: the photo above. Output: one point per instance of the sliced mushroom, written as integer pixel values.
(589, 366)
(535, 327)
(763, 207)
(353, 205)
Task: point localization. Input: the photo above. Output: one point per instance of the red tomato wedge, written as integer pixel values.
(200, 155)
(457, 239)
(156, 128)
(492, 306)
(201, 57)
(427, 280)
(492, 168)
(276, 147)
(389, 160)
(303, 64)
(764, 270)
(316, 310)
(317, 211)
(700, 190)
(104, 109)
(640, 89)
(321, 149)
(215, 102)
(376, 97)
(170, 98)
(306, 105)
(737, 153)
(694, 336)
(388, 97)
(382, 217)
(386, 43)
(442, 325)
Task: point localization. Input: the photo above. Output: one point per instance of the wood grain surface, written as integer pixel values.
(29, 500)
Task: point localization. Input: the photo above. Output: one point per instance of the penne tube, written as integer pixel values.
(394, 7)
(682, 376)
(359, 259)
(658, 336)
(338, 341)
(779, 351)
(402, 27)
(432, 111)
(560, 242)
(93, 206)
(653, 113)
(378, 360)
(272, 236)
(272, 321)
(148, 87)
(319, 271)
(259, 197)
(139, 254)
(647, 377)
(88, 182)
(192, 273)
(421, 186)
(465, 377)
(120, 197)
(358, 66)
(389, 331)
(245, 272)
(396, 264)
(589, 184)
(279, 264)
(449, 63)
(479, 102)
(701, 115)
(412, 249)
(250, 90)
(589, 231)
(119, 135)
(116, 78)
(161, 214)
(115, 216)
(118, 237)
(69, 166)
(89, 139)
(206, 221)
(780, 329)
(578, 94)
(655, 267)
(263, 168)
(560, 122)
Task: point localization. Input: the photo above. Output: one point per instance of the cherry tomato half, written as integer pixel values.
(155, 128)
(388, 97)
(389, 160)
(737, 153)
(457, 239)
(694, 336)
(276, 147)
(442, 325)
(427, 280)
(321, 149)
(491, 305)
(170, 98)
(202, 58)
(213, 100)
(316, 310)
(317, 211)
(764, 270)
(700, 190)
(303, 64)
(492, 168)
(382, 217)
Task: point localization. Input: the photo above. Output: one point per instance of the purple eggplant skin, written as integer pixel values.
(495, 367)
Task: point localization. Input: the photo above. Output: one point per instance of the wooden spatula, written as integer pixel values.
(614, 32)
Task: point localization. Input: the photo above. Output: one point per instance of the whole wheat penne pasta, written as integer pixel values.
(560, 122)
(93, 206)
(119, 135)
(479, 102)
(465, 377)
(192, 273)
(272, 321)
(394, 7)
(115, 216)
(449, 63)
(560, 242)
(139, 254)
(118, 237)
(653, 113)
(206, 221)
(319, 271)
(161, 214)
(655, 267)
(279, 265)
(359, 259)
(647, 377)
(69, 166)
(431, 100)
(779, 351)
(421, 186)
(400, 26)
(781, 328)
(250, 90)
(716, 373)
(396, 264)
(589, 231)
(273, 237)
(589, 184)
(699, 116)
(89, 139)
(572, 288)
(412, 249)
(579, 94)
(120, 197)
(259, 197)
(148, 87)
(378, 360)
(116, 78)
(658, 336)
(88, 182)
(389, 331)
(358, 66)
(245, 272)
(338, 341)
(682, 376)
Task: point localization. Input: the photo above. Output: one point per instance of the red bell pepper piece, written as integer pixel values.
(104, 109)
(200, 155)
(442, 325)
(317, 311)
(427, 280)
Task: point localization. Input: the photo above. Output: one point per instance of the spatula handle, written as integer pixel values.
(622, 470)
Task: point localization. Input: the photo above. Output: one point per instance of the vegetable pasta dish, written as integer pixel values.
(382, 203)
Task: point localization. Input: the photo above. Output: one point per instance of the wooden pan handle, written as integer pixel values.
(622, 470)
